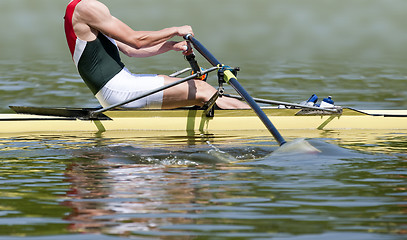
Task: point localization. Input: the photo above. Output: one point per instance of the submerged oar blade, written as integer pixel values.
(298, 146)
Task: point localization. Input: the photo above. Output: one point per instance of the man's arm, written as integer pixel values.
(97, 16)
(154, 50)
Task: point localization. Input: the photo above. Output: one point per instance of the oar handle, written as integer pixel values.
(193, 63)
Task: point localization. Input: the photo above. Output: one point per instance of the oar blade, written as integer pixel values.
(298, 146)
(79, 113)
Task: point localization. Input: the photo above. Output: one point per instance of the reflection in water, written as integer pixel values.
(135, 198)
(129, 189)
(101, 198)
(186, 185)
(137, 186)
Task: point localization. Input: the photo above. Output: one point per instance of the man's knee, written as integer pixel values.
(204, 90)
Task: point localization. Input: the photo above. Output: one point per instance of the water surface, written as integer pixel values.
(205, 186)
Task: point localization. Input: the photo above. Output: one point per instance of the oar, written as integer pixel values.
(232, 80)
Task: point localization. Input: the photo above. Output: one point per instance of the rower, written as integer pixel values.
(95, 37)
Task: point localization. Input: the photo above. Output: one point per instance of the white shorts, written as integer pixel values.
(125, 86)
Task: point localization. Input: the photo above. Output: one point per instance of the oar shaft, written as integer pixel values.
(242, 92)
(202, 50)
(256, 108)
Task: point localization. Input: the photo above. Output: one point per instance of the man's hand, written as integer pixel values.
(183, 46)
(184, 30)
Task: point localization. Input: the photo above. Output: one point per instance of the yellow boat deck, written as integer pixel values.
(197, 121)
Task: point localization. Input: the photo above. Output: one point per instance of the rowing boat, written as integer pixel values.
(53, 120)
(203, 120)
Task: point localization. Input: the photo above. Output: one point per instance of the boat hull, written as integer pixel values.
(197, 121)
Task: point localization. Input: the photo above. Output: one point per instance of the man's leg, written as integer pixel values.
(195, 92)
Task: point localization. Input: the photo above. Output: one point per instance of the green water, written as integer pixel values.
(175, 187)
